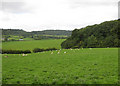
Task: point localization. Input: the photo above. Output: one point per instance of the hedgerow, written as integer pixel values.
(41, 50)
(15, 51)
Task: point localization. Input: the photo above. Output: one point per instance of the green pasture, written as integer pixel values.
(55, 35)
(31, 44)
(28, 39)
(15, 37)
(76, 66)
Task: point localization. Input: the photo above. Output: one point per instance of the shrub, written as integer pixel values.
(41, 50)
(27, 51)
(38, 50)
(74, 47)
(15, 51)
(50, 49)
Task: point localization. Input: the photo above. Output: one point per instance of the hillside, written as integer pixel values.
(21, 32)
(16, 34)
(53, 32)
(98, 35)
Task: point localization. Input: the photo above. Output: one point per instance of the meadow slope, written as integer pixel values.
(30, 45)
(76, 66)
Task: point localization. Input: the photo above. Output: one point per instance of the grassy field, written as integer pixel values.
(30, 45)
(77, 66)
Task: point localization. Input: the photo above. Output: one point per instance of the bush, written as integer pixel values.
(27, 51)
(38, 50)
(74, 47)
(50, 49)
(12, 40)
(41, 50)
(15, 51)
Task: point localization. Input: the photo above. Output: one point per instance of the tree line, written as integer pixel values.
(95, 36)
(36, 50)
(20, 32)
(11, 34)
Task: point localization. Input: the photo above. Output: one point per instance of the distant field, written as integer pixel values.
(24, 45)
(78, 66)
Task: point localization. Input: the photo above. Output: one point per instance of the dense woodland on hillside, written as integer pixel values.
(98, 35)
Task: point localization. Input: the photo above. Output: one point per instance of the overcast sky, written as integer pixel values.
(36, 15)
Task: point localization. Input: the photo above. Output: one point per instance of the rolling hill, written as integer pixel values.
(98, 35)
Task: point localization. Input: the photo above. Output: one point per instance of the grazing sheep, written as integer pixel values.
(58, 52)
(64, 52)
(51, 52)
(90, 48)
(6, 56)
(23, 54)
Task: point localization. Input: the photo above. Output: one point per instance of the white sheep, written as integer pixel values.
(90, 48)
(23, 54)
(64, 52)
(58, 52)
(6, 56)
(51, 52)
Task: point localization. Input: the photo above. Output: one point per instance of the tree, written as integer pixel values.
(98, 35)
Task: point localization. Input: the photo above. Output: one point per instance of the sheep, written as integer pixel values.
(51, 52)
(58, 52)
(90, 48)
(23, 54)
(64, 52)
(6, 56)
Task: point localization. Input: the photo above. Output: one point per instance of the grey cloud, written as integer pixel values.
(88, 3)
(119, 9)
(14, 7)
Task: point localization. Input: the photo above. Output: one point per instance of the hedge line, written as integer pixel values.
(26, 51)
(15, 51)
(41, 50)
